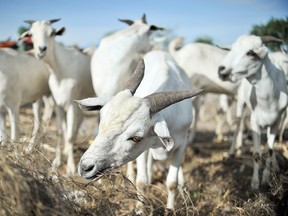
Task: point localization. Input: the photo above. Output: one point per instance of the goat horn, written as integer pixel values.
(127, 21)
(161, 100)
(266, 39)
(29, 21)
(144, 20)
(54, 20)
(136, 78)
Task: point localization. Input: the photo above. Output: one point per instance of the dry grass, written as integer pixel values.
(30, 186)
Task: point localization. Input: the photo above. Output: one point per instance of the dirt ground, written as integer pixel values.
(214, 184)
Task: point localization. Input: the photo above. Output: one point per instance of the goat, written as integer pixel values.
(280, 60)
(70, 79)
(265, 94)
(115, 59)
(110, 64)
(201, 61)
(23, 80)
(141, 118)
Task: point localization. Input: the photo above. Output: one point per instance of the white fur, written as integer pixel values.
(23, 80)
(263, 89)
(280, 60)
(126, 116)
(111, 64)
(201, 61)
(70, 80)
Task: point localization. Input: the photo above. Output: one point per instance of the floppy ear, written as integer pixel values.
(92, 104)
(24, 35)
(162, 131)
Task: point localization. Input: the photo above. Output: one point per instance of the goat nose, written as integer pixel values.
(223, 74)
(221, 68)
(85, 168)
(42, 49)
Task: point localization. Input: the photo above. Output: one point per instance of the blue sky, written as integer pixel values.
(87, 21)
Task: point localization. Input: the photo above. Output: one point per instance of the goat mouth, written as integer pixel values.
(40, 55)
(238, 76)
(99, 174)
(225, 77)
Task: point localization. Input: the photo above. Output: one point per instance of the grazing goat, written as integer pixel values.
(70, 79)
(265, 93)
(114, 61)
(141, 118)
(23, 80)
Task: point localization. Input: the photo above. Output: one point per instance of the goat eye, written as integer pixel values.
(136, 138)
(251, 53)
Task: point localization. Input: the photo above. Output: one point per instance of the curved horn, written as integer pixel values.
(54, 20)
(266, 39)
(161, 100)
(136, 78)
(29, 21)
(127, 21)
(144, 20)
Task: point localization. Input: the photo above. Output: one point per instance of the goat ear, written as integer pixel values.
(24, 35)
(162, 131)
(59, 31)
(127, 21)
(92, 104)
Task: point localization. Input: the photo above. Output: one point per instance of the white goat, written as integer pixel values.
(112, 60)
(265, 94)
(201, 62)
(23, 80)
(280, 60)
(70, 80)
(116, 57)
(130, 124)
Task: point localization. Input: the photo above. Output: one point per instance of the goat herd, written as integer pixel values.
(143, 97)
